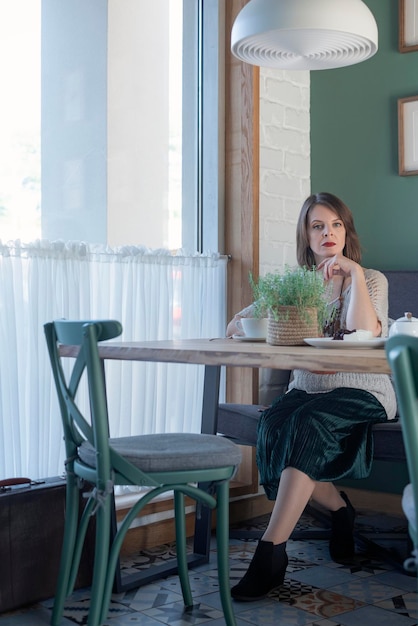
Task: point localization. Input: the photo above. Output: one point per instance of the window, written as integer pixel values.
(105, 108)
(20, 186)
(119, 124)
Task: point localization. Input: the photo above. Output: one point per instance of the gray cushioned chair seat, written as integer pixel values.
(239, 423)
(171, 452)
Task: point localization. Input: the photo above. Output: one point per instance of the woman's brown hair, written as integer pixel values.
(352, 249)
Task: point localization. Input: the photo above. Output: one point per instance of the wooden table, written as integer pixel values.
(231, 352)
(215, 353)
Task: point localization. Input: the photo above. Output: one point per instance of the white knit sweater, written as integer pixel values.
(379, 385)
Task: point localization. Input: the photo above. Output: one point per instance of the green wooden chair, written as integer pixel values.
(402, 354)
(163, 462)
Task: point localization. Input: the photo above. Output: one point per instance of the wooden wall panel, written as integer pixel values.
(241, 193)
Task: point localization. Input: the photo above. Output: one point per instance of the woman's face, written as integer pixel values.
(326, 232)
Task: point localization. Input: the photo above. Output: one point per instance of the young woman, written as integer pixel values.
(321, 429)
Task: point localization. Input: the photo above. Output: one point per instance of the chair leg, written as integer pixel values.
(99, 604)
(68, 548)
(181, 547)
(222, 539)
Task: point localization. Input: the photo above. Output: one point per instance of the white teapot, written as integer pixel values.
(406, 325)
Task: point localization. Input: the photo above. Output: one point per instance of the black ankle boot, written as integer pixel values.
(341, 543)
(266, 571)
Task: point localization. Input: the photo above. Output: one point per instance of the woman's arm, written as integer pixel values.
(362, 311)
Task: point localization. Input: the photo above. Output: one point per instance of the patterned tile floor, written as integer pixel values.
(368, 591)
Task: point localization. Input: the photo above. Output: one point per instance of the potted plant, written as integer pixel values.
(295, 302)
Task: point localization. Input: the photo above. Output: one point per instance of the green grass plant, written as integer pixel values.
(299, 287)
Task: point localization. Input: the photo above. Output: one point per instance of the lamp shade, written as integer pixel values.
(304, 34)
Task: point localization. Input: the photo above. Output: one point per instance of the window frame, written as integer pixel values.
(205, 191)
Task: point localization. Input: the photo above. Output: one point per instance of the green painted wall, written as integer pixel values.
(354, 145)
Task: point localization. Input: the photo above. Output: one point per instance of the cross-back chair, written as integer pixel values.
(163, 462)
(402, 354)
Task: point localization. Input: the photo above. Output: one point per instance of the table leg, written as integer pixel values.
(210, 399)
(209, 426)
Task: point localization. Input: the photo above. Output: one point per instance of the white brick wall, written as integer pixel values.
(284, 163)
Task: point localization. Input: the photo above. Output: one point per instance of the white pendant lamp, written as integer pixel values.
(304, 34)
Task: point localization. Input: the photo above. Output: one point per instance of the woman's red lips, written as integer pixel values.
(328, 244)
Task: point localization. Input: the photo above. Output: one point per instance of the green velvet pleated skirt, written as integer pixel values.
(327, 436)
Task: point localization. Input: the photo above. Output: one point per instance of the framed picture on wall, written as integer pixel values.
(408, 25)
(408, 136)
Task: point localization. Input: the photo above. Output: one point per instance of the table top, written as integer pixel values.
(234, 353)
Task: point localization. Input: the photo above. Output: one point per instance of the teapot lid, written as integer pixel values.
(407, 318)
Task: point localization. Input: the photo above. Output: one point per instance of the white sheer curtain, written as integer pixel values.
(155, 294)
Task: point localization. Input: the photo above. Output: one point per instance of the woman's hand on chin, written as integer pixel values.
(337, 265)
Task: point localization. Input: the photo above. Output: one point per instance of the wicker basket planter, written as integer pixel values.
(292, 326)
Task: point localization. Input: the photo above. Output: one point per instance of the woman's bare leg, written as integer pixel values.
(268, 566)
(269, 562)
(295, 491)
(328, 496)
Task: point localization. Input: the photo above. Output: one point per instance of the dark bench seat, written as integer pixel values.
(239, 422)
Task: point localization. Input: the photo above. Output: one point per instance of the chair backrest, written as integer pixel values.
(77, 428)
(402, 354)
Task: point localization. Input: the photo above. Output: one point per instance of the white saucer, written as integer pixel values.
(251, 339)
